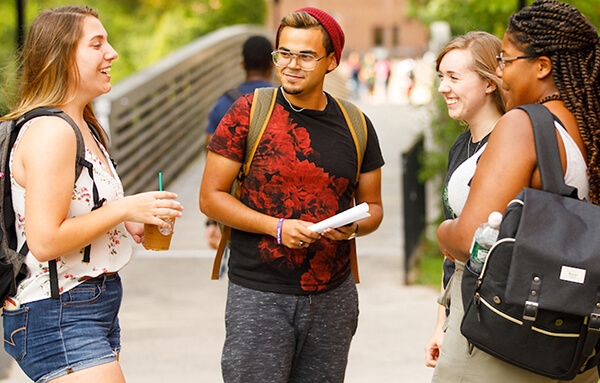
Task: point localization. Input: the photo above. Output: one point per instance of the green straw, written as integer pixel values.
(160, 181)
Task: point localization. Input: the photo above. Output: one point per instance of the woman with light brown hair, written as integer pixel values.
(70, 332)
(466, 67)
(550, 56)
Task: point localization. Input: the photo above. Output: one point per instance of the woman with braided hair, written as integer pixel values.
(550, 55)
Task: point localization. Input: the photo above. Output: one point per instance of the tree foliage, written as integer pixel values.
(490, 15)
(142, 31)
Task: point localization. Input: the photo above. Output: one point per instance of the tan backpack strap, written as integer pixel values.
(355, 119)
(358, 128)
(220, 251)
(260, 113)
(354, 260)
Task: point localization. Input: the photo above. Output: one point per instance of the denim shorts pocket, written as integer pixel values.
(83, 294)
(15, 332)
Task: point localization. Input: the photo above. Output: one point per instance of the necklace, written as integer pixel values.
(290, 104)
(469, 154)
(554, 96)
(301, 109)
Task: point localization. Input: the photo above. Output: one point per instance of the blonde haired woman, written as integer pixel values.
(66, 64)
(466, 67)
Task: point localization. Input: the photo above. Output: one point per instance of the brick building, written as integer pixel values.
(366, 23)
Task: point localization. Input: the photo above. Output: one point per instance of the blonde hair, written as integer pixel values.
(48, 71)
(483, 47)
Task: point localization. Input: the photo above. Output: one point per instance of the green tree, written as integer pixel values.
(491, 15)
(142, 31)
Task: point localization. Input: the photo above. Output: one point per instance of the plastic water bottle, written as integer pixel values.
(483, 240)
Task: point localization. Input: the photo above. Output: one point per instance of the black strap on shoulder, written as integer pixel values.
(546, 148)
(80, 163)
(53, 111)
(98, 202)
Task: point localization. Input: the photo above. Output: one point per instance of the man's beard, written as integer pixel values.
(291, 91)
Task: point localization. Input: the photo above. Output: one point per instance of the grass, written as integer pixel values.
(428, 267)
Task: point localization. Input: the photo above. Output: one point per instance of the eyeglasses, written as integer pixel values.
(503, 60)
(306, 61)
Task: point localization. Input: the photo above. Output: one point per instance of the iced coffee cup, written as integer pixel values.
(158, 238)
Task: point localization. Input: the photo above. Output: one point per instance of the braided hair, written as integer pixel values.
(560, 32)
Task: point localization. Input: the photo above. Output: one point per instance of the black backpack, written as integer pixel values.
(12, 267)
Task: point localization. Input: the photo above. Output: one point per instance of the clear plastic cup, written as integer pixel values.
(158, 238)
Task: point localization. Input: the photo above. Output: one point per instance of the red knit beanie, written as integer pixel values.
(331, 26)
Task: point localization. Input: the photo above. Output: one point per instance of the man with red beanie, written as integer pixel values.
(292, 304)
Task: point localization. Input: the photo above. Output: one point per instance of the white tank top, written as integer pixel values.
(575, 175)
(109, 253)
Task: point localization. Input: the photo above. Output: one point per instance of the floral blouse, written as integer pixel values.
(109, 253)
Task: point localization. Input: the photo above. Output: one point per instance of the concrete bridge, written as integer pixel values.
(172, 317)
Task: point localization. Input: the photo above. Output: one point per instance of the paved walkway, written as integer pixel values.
(172, 314)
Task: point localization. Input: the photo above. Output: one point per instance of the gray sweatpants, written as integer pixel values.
(283, 338)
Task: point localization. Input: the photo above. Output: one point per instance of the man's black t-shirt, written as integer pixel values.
(304, 168)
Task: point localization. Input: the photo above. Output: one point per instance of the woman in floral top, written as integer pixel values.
(66, 64)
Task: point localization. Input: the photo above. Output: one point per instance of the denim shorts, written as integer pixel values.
(50, 338)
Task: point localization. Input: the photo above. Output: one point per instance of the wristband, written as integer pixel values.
(279, 227)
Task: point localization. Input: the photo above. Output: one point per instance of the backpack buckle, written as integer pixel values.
(530, 311)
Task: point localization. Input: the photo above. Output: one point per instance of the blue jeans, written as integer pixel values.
(50, 338)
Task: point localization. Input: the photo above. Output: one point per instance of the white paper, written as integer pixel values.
(344, 218)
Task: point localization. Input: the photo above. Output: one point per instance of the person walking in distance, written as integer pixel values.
(292, 304)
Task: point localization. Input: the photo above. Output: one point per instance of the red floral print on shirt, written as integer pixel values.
(284, 181)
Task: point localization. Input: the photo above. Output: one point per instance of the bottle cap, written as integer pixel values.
(495, 219)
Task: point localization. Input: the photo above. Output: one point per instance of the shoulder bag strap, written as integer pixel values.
(262, 107)
(547, 152)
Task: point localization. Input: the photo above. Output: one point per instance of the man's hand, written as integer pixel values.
(341, 233)
(295, 234)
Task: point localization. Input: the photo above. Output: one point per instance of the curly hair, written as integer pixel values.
(560, 32)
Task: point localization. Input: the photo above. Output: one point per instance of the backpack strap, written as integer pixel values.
(355, 119)
(547, 152)
(260, 113)
(80, 163)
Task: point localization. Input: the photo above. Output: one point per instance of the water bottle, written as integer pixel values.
(483, 240)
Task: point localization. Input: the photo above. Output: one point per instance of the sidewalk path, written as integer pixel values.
(172, 314)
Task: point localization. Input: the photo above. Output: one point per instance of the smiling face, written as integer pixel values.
(294, 80)
(93, 57)
(463, 89)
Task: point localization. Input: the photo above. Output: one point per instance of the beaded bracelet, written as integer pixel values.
(279, 227)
